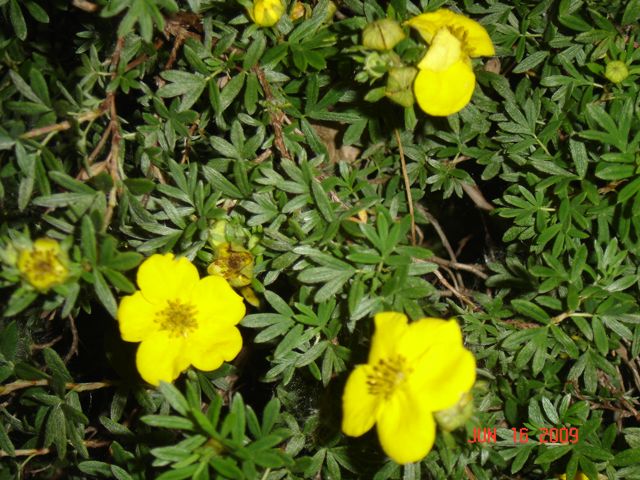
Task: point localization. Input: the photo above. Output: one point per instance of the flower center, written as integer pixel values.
(178, 318)
(387, 375)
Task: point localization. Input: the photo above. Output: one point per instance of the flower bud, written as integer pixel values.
(616, 71)
(266, 13)
(382, 35)
(218, 233)
(299, 10)
(399, 87)
(456, 416)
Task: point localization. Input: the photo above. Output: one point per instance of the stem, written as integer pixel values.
(76, 387)
(407, 186)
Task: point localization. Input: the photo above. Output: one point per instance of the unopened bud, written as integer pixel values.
(400, 85)
(266, 13)
(218, 233)
(456, 416)
(382, 35)
(299, 10)
(616, 71)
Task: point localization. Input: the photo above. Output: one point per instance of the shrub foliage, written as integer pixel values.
(130, 127)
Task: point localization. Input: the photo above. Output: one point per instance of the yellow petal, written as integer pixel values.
(207, 348)
(359, 407)
(163, 277)
(442, 375)
(423, 334)
(389, 328)
(405, 428)
(216, 301)
(477, 41)
(160, 357)
(47, 244)
(445, 92)
(137, 317)
(445, 50)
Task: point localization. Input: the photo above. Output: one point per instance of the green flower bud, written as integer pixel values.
(616, 71)
(382, 35)
(456, 416)
(400, 85)
(266, 13)
(218, 233)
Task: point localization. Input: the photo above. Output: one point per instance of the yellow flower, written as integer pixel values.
(579, 476)
(266, 13)
(413, 370)
(180, 318)
(45, 265)
(446, 80)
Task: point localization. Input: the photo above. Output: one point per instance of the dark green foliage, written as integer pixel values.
(129, 127)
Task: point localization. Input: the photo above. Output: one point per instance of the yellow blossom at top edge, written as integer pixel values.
(180, 319)
(579, 476)
(266, 13)
(445, 82)
(45, 265)
(413, 370)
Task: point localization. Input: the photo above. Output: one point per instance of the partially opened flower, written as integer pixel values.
(44, 265)
(413, 370)
(266, 13)
(446, 80)
(180, 318)
(579, 476)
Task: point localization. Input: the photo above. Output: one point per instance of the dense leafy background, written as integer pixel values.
(130, 126)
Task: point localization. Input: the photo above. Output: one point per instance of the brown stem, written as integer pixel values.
(28, 452)
(85, 5)
(276, 115)
(407, 186)
(473, 268)
(76, 387)
(66, 125)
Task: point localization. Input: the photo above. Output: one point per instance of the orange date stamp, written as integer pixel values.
(551, 436)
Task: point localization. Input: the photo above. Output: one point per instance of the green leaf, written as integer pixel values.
(174, 397)
(104, 294)
(56, 365)
(17, 20)
(168, 421)
(531, 62)
(322, 201)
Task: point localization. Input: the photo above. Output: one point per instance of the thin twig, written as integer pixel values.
(263, 156)
(85, 5)
(116, 137)
(624, 355)
(275, 114)
(453, 289)
(28, 452)
(73, 350)
(98, 148)
(477, 197)
(76, 387)
(67, 124)
(407, 186)
(467, 267)
(187, 143)
(42, 346)
(443, 237)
